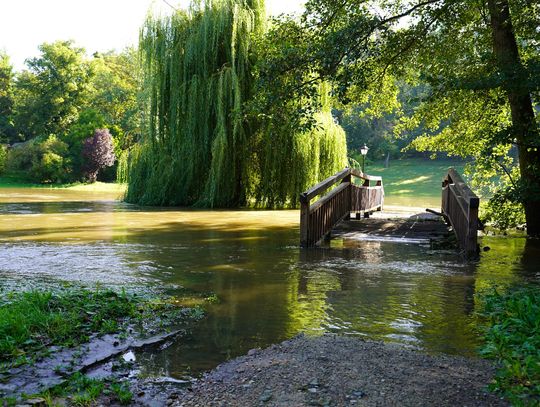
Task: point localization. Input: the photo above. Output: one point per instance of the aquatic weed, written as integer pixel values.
(122, 392)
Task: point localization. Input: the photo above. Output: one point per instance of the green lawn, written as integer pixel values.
(407, 182)
(18, 180)
(413, 182)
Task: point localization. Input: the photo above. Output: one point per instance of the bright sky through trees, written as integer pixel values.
(97, 25)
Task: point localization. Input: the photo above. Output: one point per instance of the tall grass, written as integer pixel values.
(32, 321)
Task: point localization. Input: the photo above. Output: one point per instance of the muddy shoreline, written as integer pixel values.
(333, 370)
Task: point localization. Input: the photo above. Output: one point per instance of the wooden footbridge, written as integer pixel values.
(351, 191)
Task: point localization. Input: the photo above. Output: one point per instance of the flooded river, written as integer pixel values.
(264, 289)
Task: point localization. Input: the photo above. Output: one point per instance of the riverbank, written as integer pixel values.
(333, 370)
(20, 181)
(50, 339)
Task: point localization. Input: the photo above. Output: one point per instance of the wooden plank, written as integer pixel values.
(323, 185)
(304, 224)
(463, 204)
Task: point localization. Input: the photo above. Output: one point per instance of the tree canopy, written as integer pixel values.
(64, 96)
(52, 91)
(203, 147)
(479, 61)
(7, 129)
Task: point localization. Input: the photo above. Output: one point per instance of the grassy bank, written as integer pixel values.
(409, 182)
(38, 326)
(413, 181)
(30, 322)
(18, 180)
(33, 322)
(512, 339)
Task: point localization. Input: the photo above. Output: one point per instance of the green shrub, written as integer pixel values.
(45, 160)
(20, 156)
(50, 168)
(502, 212)
(3, 158)
(512, 338)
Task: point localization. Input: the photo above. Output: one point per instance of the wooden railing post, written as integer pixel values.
(304, 221)
(348, 179)
(460, 207)
(445, 193)
(379, 184)
(471, 244)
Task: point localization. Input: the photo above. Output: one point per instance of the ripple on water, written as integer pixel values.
(84, 263)
(267, 288)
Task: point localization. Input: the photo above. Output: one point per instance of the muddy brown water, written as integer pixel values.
(265, 289)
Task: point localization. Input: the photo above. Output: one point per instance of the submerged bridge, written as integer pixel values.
(351, 191)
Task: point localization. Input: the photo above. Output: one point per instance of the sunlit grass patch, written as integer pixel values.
(32, 321)
(21, 180)
(413, 181)
(421, 178)
(403, 191)
(99, 187)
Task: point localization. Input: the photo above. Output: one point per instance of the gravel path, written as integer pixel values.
(339, 371)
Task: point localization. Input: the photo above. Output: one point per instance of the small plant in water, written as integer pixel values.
(122, 392)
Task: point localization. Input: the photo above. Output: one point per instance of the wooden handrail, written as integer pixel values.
(460, 207)
(323, 185)
(313, 207)
(453, 177)
(362, 175)
(318, 219)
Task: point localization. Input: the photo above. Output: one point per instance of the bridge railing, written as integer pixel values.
(460, 206)
(318, 219)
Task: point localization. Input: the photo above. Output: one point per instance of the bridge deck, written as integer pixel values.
(397, 226)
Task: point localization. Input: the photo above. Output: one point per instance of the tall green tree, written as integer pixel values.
(480, 60)
(114, 92)
(7, 130)
(52, 91)
(201, 148)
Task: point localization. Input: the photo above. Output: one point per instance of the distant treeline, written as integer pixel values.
(66, 117)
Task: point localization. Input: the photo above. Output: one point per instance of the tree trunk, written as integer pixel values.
(524, 127)
(387, 160)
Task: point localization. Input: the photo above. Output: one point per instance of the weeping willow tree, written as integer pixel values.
(292, 160)
(200, 149)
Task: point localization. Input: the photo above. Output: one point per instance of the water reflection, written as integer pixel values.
(268, 289)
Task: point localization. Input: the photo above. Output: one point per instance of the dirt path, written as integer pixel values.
(336, 371)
